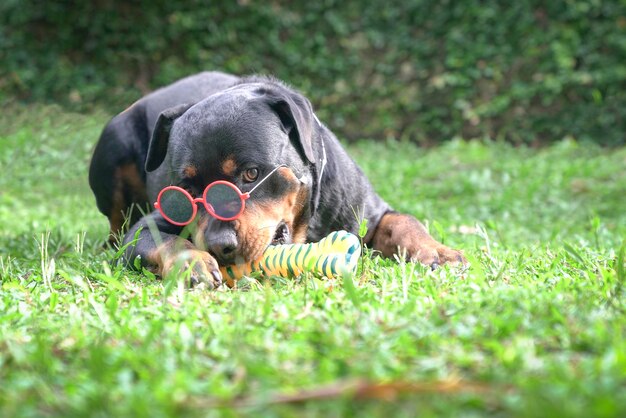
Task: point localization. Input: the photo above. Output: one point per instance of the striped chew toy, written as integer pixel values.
(332, 256)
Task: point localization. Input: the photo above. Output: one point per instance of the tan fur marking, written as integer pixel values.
(190, 171)
(404, 235)
(287, 174)
(300, 225)
(294, 205)
(164, 256)
(229, 166)
(255, 228)
(198, 236)
(179, 256)
(116, 217)
(257, 225)
(127, 180)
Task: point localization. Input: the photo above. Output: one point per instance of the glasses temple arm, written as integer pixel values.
(265, 178)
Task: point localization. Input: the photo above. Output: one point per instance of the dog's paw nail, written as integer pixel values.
(194, 281)
(434, 265)
(217, 277)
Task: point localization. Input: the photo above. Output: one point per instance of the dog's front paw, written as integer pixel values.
(435, 254)
(198, 267)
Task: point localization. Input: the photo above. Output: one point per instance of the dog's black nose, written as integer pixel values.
(223, 246)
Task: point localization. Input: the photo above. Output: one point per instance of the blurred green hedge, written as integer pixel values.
(422, 70)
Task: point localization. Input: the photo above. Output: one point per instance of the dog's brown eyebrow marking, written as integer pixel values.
(229, 166)
(190, 171)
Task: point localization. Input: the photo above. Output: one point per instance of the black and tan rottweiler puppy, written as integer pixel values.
(227, 166)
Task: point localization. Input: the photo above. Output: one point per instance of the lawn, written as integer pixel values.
(536, 327)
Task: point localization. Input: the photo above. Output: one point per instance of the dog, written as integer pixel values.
(295, 181)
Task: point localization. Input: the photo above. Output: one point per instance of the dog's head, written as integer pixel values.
(240, 135)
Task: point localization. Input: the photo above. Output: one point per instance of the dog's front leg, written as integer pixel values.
(164, 252)
(404, 235)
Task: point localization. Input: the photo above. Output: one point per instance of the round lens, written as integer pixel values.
(176, 206)
(224, 200)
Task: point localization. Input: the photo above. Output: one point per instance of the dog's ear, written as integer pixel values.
(296, 114)
(161, 135)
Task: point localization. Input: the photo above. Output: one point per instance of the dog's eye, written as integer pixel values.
(251, 175)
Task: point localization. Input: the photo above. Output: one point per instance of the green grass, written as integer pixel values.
(536, 327)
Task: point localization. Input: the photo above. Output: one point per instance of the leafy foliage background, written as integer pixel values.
(419, 70)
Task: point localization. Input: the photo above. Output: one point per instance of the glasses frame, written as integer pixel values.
(243, 196)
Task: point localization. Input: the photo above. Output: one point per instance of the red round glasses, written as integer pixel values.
(222, 199)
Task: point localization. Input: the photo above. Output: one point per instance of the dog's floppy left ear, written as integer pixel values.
(296, 114)
(161, 135)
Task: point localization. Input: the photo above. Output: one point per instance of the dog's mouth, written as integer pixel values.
(282, 234)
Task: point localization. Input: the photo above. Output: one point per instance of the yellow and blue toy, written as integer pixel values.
(333, 256)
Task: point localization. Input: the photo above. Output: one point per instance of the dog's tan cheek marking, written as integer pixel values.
(290, 177)
(257, 225)
(293, 206)
(255, 229)
(229, 166)
(300, 224)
